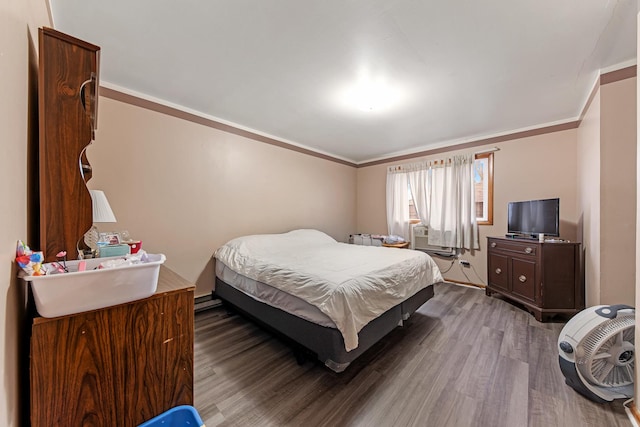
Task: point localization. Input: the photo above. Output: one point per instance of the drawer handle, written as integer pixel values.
(528, 250)
(83, 98)
(522, 278)
(498, 270)
(493, 244)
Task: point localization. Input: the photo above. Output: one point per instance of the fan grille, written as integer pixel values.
(91, 238)
(607, 354)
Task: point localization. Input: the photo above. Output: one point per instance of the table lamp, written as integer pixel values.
(101, 213)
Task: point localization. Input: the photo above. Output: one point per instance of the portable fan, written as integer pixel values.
(597, 355)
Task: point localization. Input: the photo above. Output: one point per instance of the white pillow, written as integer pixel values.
(258, 244)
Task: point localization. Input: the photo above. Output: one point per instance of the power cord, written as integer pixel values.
(477, 275)
(453, 261)
(465, 273)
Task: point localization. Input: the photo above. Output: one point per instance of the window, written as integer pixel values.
(483, 183)
(413, 213)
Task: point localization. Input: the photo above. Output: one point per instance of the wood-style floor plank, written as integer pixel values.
(463, 359)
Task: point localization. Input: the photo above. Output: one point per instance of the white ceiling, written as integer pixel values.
(466, 69)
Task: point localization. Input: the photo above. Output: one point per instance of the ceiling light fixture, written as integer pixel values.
(371, 94)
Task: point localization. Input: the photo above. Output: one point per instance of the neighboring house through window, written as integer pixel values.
(413, 213)
(483, 184)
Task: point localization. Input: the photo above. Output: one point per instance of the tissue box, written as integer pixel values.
(114, 250)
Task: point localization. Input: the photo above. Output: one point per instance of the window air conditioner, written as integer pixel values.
(419, 241)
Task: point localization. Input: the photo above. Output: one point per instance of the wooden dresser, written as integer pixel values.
(116, 366)
(542, 276)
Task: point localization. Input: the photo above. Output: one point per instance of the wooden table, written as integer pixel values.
(402, 245)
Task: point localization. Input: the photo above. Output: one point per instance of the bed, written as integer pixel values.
(334, 299)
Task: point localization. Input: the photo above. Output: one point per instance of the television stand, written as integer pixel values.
(542, 276)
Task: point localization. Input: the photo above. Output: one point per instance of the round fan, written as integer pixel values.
(597, 352)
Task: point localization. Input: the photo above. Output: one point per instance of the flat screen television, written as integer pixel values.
(532, 217)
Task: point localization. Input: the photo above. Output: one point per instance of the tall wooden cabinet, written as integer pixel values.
(67, 107)
(542, 276)
(116, 366)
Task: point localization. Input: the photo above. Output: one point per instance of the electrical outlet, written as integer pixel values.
(464, 263)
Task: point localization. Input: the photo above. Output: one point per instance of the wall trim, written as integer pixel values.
(617, 75)
(470, 284)
(632, 412)
(592, 95)
(487, 141)
(194, 118)
(606, 78)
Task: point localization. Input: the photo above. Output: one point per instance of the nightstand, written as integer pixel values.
(402, 245)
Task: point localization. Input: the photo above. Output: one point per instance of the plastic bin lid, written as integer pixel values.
(183, 415)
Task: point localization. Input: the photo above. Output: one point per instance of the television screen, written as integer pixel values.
(533, 217)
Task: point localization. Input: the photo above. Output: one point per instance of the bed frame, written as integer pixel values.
(326, 343)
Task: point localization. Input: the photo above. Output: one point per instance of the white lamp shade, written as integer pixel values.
(101, 210)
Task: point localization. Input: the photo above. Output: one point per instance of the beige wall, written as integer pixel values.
(617, 192)
(606, 154)
(19, 22)
(536, 167)
(637, 245)
(588, 155)
(184, 189)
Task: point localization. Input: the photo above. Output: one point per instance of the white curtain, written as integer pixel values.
(452, 217)
(397, 203)
(418, 177)
(444, 197)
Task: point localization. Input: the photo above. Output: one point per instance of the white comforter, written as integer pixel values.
(351, 284)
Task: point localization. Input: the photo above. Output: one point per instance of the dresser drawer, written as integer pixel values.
(499, 271)
(521, 248)
(523, 278)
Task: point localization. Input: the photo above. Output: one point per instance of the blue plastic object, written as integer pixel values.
(180, 416)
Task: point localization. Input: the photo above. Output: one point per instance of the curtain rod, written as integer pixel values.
(488, 150)
(398, 168)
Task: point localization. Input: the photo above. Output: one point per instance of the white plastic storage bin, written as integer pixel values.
(365, 240)
(77, 291)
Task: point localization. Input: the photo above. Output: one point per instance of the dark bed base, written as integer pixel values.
(326, 343)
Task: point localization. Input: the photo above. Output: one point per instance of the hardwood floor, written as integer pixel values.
(463, 359)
